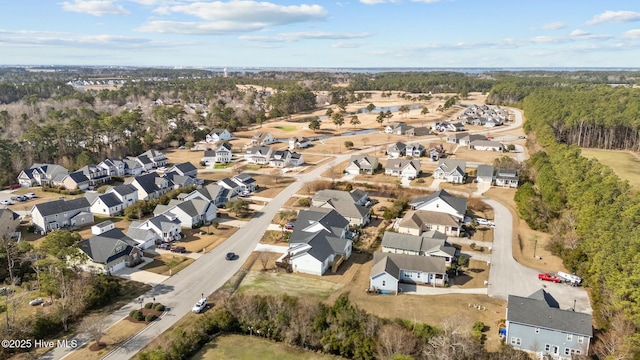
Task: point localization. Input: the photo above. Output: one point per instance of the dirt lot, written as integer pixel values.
(195, 241)
(114, 336)
(486, 157)
(525, 239)
(167, 264)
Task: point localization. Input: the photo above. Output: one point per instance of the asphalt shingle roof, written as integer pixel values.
(60, 206)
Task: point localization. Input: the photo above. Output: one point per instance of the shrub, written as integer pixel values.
(148, 305)
(150, 318)
(45, 326)
(478, 326)
(159, 307)
(472, 245)
(133, 312)
(420, 181)
(137, 315)
(304, 202)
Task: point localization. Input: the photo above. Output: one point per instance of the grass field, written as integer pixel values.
(263, 282)
(287, 127)
(239, 347)
(624, 163)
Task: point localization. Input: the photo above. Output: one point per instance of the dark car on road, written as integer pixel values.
(179, 249)
(230, 256)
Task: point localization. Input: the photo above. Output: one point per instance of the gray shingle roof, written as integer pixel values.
(458, 203)
(102, 248)
(147, 182)
(536, 312)
(60, 206)
(339, 195)
(412, 242)
(78, 177)
(184, 168)
(429, 264)
(124, 189)
(484, 171)
(110, 200)
(328, 218)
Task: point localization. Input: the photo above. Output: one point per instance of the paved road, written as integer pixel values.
(507, 276)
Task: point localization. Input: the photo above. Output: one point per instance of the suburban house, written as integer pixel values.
(113, 166)
(457, 137)
(360, 164)
(191, 212)
(215, 193)
(239, 183)
(177, 181)
(486, 145)
(96, 174)
(126, 193)
(507, 177)
(258, 155)
(107, 204)
(143, 160)
(144, 237)
(493, 122)
(399, 128)
(184, 169)
(42, 175)
(296, 159)
(416, 222)
(299, 143)
(220, 155)
(157, 158)
(441, 201)
(449, 126)
(355, 196)
(262, 139)
(218, 135)
(151, 186)
(484, 174)
(166, 226)
(396, 150)
(104, 226)
(415, 150)
(453, 171)
(109, 252)
(469, 138)
(537, 325)
(10, 222)
(280, 159)
(436, 151)
(357, 215)
(76, 180)
(408, 169)
(132, 166)
(432, 243)
(318, 242)
(389, 270)
(59, 214)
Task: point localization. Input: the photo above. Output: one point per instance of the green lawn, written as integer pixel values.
(223, 166)
(245, 347)
(287, 127)
(623, 163)
(263, 282)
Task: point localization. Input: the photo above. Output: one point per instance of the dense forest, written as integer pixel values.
(590, 213)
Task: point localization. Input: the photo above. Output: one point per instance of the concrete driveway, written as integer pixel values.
(508, 277)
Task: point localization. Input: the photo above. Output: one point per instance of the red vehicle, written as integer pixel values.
(549, 277)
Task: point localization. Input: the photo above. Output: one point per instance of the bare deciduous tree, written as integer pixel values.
(263, 258)
(95, 326)
(394, 340)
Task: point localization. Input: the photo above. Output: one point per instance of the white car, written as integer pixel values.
(484, 222)
(199, 306)
(5, 202)
(30, 195)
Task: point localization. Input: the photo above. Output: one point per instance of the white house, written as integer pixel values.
(299, 143)
(262, 139)
(397, 150)
(220, 155)
(507, 177)
(484, 174)
(258, 155)
(42, 174)
(453, 171)
(486, 145)
(360, 164)
(190, 212)
(415, 150)
(441, 201)
(166, 226)
(107, 204)
(388, 270)
(218, 135)
(408, 169)
(151, 186)
(126, 193)
(59, 214)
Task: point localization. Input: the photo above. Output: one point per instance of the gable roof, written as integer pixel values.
(124, 189)
(429, 264)
(184, 167)
(364, 162)
(416, 218)
(484, 171)
(458, 203)
(349, 209)
(78, 177)
(102, 248)
(487, 143)
(402, 164)
(147, 182)
(60, 206)
(109, 199)
(329, 219)
(411, 242)
(339, 195)
(397, 147)
(534, 311)
(258, 151)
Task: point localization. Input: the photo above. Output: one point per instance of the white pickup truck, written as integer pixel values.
(571, 279)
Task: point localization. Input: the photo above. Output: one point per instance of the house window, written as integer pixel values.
(576, 351)
(547, 347)
(537, 330)
(418, 275)
(384, 283)
(580, 339)
(569, 337)
(567, 351)
(516, 341)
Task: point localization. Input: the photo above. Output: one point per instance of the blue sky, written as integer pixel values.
(354, 33)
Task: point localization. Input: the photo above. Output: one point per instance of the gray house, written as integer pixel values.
(59, 214)
(484, 174)
(388, 270)
(537, 325)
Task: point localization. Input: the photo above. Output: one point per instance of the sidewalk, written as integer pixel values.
(134, 273)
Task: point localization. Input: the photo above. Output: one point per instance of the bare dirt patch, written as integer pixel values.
(486, 157)
(207, 237)
(114, 336)
(167, 264)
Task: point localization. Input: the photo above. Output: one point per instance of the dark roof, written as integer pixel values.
(102, 248)
(147, 182)
(124, 189)
(209, 153)
(458, 203)
(185, 167)
(429, 264)
(484, 171)
(60, 206)
(78, 177)
(536, 312)
(110, 200)
(328, 218)
(144, 159)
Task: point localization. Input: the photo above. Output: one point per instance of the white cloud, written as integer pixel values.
(426, 1)
(578, 32)
(95, 7)
(633, 34)
(554, 25)
(251, 11)
(614, 16)
(199, 28)
(374, 2)
(346, 45)
(297, 36)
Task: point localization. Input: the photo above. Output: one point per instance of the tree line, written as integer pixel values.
(590, 213)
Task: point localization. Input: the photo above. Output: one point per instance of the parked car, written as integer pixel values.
(289, 226)
(522, 137)
(199, 306)
(482, 221)
(5, 202)
(36, 302)
(30, 195)
(230, 256)
(179, 249)
(245, 194)
(165, 246)
(549, 277)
